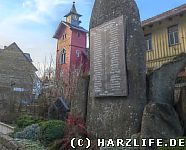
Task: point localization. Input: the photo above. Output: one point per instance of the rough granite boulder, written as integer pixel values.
(162, 81)
(181, 107)
(119, 116)
(79, 103)
(160, 121)
(7, 143)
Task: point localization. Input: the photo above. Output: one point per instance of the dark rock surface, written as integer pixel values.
(162, 81)
(79, 103)
(113, 117)
(7, 143)
(181, 107)
(183, 95)
(160, 121)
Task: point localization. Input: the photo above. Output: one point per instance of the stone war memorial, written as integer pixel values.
(119, 99)
(117, 73)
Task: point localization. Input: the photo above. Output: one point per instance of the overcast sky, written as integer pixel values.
(32, 23)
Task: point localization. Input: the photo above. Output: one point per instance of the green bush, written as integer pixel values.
(26, 120)
(30, 145)
(30, 132)
(51, 131)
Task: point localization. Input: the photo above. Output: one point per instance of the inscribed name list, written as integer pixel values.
(107, 46)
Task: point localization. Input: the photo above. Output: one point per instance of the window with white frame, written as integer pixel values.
(63, 56)
(148, 40)
(173, 35)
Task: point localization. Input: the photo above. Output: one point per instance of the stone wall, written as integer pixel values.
(7, 143)
(15, 70)
(16, 75)
(6, 129)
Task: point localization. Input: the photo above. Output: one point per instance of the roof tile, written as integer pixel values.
(165, 15)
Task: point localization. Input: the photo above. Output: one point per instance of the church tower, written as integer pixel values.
(73, 17)
(71, 51)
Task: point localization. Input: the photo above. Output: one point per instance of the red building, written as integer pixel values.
(71, 57)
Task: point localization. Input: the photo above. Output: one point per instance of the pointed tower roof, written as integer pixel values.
(73, 11)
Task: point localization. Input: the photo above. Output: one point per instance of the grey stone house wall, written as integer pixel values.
(16, 71)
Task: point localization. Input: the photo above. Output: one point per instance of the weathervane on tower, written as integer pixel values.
(73, 17)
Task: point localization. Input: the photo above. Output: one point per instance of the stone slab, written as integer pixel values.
(108, 52)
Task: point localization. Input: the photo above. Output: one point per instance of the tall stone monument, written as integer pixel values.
(117, 89)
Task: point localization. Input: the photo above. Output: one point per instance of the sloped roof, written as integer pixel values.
(167, 14)
(14, 44)
(63, 23)
(73, 11)
(75, 27)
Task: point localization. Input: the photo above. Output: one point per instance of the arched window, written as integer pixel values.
(63, 56)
